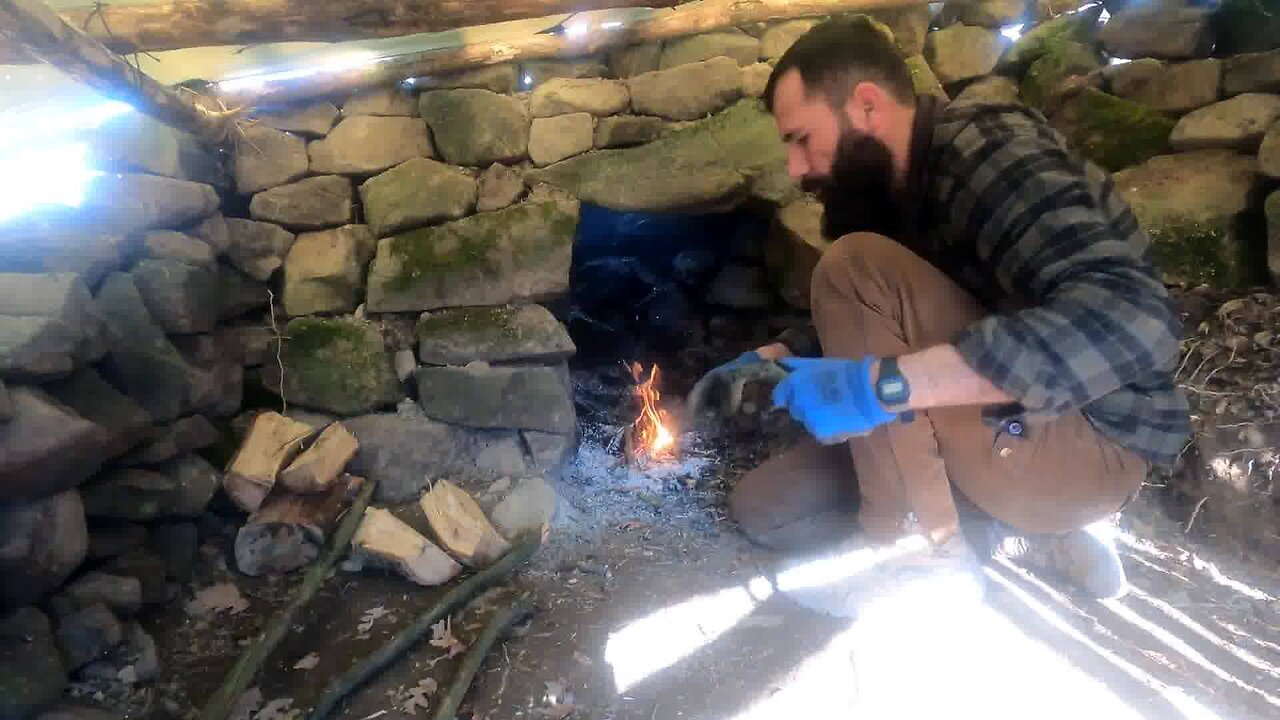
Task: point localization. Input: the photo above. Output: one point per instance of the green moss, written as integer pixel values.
(1113, 132)
(471, 321)
(1191, 254)
(337, 365)
(1063, 60)
(1080, 27)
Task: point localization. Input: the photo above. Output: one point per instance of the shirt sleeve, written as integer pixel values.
(1057, 237)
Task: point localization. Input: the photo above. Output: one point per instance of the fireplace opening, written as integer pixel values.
(656, 300)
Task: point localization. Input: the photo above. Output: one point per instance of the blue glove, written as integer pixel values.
(834, 399)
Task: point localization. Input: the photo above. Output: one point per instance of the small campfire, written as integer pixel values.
(649, 437)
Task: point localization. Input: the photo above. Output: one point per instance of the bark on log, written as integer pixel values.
(289, 530)
(128, 28)
(461, 526)
(32, 26)
(319, 465)
(246, 668)
(687, 19)
(270, 444)
(389, 541)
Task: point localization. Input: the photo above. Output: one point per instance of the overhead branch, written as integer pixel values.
(31, 25)
(191, 23)
(687, 19)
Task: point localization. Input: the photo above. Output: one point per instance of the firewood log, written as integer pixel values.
(389, 541)
(319, 465)
(461, 526)
(270, 444)
(289, 530)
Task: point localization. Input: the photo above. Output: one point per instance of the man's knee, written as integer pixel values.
(857, 266)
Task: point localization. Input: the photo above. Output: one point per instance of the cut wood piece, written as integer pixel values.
(390, 541)
(461, 526)
(688, 18)
(29, 27)
(319, 465)
(289, 530)
(150, 26)
(271, 443)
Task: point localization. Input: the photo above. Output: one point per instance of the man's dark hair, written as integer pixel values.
(839, 53)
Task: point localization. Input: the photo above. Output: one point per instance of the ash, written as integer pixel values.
(600, 462)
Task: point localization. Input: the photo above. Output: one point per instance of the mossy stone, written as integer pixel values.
(1110, 131)
(1063, 60)
(520, 253)
(338, 365)
(1195, 206)
(1081, 27)
(723, 159)
(492, 334)
(476, 127)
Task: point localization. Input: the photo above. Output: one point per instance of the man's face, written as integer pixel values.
(836, 154)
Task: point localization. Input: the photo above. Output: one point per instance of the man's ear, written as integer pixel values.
(864, 106)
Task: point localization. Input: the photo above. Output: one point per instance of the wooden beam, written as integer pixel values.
(31, 25)
(689, 18)
(192, 23)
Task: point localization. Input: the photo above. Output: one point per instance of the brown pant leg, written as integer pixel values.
(801, 498)
(871, 295)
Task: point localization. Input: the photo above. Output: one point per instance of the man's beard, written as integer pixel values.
(858, 194)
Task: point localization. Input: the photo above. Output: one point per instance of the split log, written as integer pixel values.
(461, 526)
(389, 541)
(270, 444)
(246, 668)
(289, 530)
(129, 28)
(412, 634)
(688, 18)
(319, 465)
(32, 26)
(498, 625)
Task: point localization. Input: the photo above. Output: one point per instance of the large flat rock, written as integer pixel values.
(122, 422)
(404, 451)
(41, 543)
(35, 247)
(1239, 123)
(45, 447)
(266, 157)
(733, 43)
(552, 139)
(309, 204)
(492, 334)
(52, 324)
(309, 119)
(1169, 87)
(182, 298)
(1253, 72)
(518, 398)
(500, 78)
(416, 193)
(687, 92)
(728, 157)
(181, 487)
(1191, 205)
(475, 127)
(364, 145)
(173, 245)
(135, 142)
(126, 203)
(387, 101)
(520, 253)
(338, 365)
(590, 95)
(1158, 32)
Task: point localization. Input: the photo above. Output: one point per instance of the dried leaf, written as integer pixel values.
(247, 704)
(217, 598)
(308, 662)
(370, 616)
(442, 637)
(280, 709)
(417, 697)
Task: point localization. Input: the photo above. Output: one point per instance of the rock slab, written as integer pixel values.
(338, 365)
(266, 157)
(309, 204)
(324, 272)
(45, 447)
(1158, 32)
(627, 130)
(596, 96)
(492, 334)
(1239, 123)
(516, 398)
(687, 92)
(257, 248)
(416, 193)
(476, 127)
(962, 52)
(364, 145)
(552, 139)
(520, 253)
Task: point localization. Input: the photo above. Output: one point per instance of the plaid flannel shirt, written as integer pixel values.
(1003, 206)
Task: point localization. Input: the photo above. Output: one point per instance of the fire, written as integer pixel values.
(649, 434)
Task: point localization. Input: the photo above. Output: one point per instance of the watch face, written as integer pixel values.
(892, 388)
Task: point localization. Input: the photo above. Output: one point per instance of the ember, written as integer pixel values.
(649, 437)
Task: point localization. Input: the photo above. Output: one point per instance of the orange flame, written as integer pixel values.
(652, 436)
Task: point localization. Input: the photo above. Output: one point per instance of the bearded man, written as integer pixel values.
(992, 355)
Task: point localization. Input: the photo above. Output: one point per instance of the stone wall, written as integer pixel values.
(125, 328)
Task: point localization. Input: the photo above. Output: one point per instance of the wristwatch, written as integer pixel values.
(892, 388)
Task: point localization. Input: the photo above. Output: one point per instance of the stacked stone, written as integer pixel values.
(115, 364)
(1188, 124)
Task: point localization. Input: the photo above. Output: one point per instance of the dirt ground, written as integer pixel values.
(651, 605)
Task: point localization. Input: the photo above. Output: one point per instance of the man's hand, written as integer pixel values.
(835, 399)
(723, 387)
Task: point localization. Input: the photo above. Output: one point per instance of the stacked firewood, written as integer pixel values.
(291, 480)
